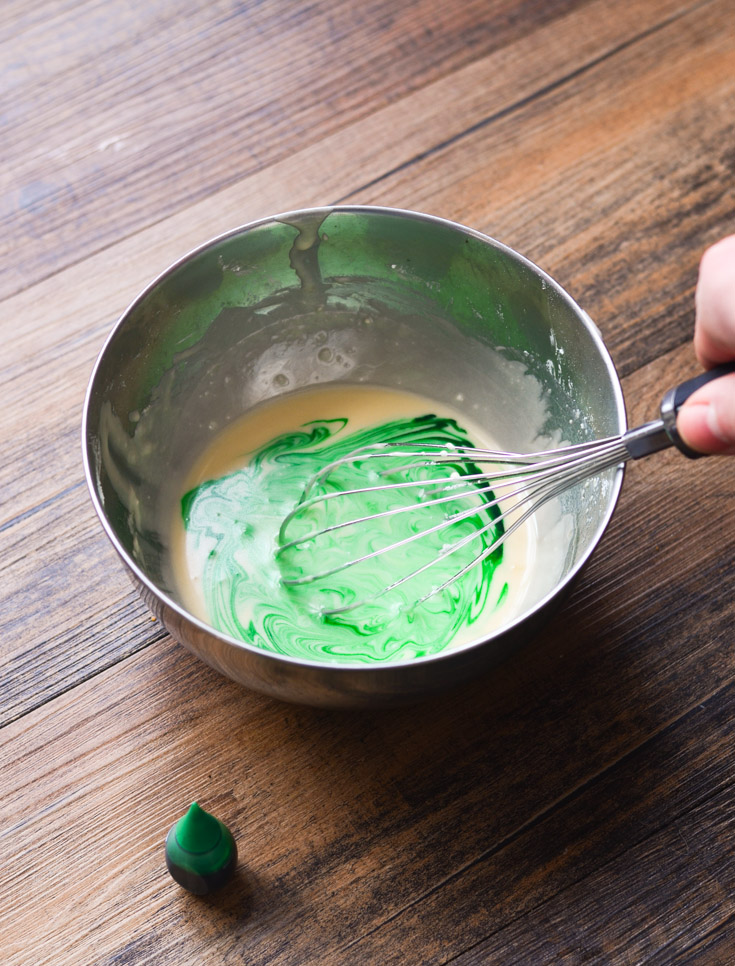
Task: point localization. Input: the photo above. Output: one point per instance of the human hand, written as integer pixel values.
(706, 421)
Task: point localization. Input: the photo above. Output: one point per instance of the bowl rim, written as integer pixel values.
(346, 667)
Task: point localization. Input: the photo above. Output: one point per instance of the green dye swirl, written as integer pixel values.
(232, 526)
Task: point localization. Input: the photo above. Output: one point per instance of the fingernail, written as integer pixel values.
(714, 425)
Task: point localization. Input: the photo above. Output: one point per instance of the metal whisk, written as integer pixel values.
(516, 484)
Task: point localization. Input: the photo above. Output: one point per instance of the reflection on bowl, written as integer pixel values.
(355, 297)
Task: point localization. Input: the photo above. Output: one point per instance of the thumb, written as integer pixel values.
(706, 421)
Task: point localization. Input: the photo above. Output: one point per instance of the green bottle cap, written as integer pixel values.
(198, 831)
(200, 851)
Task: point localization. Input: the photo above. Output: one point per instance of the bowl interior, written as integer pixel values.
(370, 296)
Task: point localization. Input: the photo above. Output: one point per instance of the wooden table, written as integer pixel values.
(575, 806)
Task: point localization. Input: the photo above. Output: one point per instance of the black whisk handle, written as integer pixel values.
(676, 397)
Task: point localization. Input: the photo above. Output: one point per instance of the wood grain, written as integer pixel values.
(69, 317)
(329, 805)
(572, 807)
(612, 203)
(232, 88)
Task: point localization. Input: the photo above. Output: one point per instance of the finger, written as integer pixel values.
(706, 421)
(714, 327)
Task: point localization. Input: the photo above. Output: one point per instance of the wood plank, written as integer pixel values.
(447, 107)
(614, 182)
(605, 875)
(637, 908)
(68, 319)
(106, 134)
(48, 649)
(573, 806)
(714, 949)
(357, 823)
(69, 304)
(17, 17)
(68, 609)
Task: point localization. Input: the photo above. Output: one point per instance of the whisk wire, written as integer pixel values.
(523, 482)
(543, 490)
(607, 454)
(515, 486)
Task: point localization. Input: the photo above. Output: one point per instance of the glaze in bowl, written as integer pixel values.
(356, 295)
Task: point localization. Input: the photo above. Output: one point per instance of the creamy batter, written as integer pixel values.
(225, 535)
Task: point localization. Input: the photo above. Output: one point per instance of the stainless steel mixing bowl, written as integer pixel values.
(347, 294)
